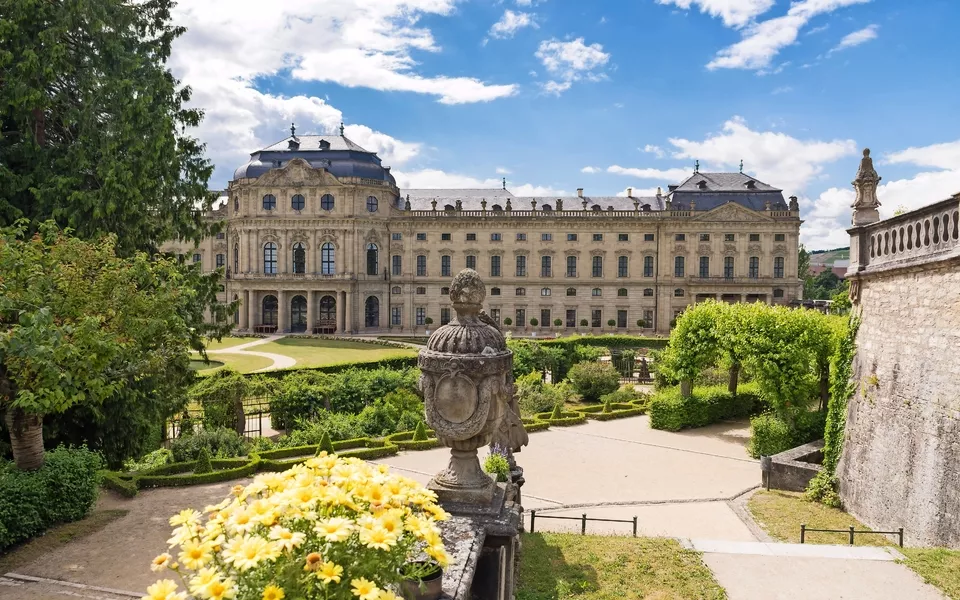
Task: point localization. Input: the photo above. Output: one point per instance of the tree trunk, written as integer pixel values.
(686, 387)
(734, 378)
(824, 385)
(26, 437)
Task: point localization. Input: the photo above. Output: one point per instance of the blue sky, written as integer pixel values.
(604, 95)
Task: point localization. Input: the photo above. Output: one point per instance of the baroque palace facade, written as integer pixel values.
(318, 238)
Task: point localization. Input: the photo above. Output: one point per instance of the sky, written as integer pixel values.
(556, 95)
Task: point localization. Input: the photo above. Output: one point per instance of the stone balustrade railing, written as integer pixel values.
(310, 276)
(927, 233)
(578, 214)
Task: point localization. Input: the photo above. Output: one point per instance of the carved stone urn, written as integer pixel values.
(465, 380)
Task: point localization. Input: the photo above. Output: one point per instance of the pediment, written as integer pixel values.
(296, 173)
(730, 212)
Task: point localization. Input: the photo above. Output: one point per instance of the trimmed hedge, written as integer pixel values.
(567, 418)
(216, 476)
(618, 411)
(533, 424)
(396, 362)
(404, 439)
(118, 482)
(670, 411)
(608, 341)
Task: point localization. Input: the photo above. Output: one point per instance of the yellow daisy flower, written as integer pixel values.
(165, 589)
(221, 590)
(272, 592)
(248, 551)
(161, 562)
(286, 539)
(439, 554)
(378, 538)
(335, 529)
(387, 595)
(364, 589)
(202, 580)
(195, 554)
(185, 517)
(329, 572)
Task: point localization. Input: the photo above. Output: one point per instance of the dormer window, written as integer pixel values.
(702, 184)
(596, 207)
(293, 144)
(750, 185)
(324, 145)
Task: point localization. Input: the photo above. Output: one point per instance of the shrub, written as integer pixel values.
(260, 444)
(496, 464)
(534, 322)
(203, 465)
(508, 321)
(325, 445)
(622, 396)
(769, 435)
(420, 433)
(557, 412)
(339, 426)
(584, 353)
(154, 459)
(428, 321)
(670, 411)
(584, 322)
(221, 396)
(61, 491)
(593, 379)
(557, 322)
(611, 323)
(536, 397)
(222, 443)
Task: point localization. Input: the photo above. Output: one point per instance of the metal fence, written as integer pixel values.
(255, 411)
(583, 518)
(632, 368)
(851, 532)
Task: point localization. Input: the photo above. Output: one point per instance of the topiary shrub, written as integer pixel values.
(557, 322)
(222, 443)
(420, 433)
(534, 322)
(203, 465)
(769, 435)
(611, 323)
(593, 379)
(325, 445)
(557, 412)
(508, 321)
(584, 322)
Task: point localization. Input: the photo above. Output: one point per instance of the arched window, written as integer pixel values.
(546, 266)
(327, 259)
(444, 291)
(596, 207)
(571, 291)
(221, 260)
(269, 202)
(372, 203)
(297, 202)
(270, 311)
(270, 258)
(495, 291)
(328, 310)
(298, 314)
(497, 208)
(545, 291)
(596, 292)
(373, 260)
(623, 268)
(395, 289)
(546, 207)
(371, 312)
(299, 258)
(236, 258)
(678, 293)
(648, 292)
(778, 293)
(448, 207)
(622, 293)
(326, 202)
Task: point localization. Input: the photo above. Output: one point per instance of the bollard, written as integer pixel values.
(803, 532)
(635, 527)
(900, 533)
(583, 524)
(533, 519)
(851, 535)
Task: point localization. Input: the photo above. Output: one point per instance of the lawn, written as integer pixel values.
(555, 566)
(243, 363)
(319, 352)
(938, 567)
(228, 342)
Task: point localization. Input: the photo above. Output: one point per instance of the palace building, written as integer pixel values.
(318, 238)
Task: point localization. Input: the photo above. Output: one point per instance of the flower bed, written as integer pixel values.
(618, 410)
(566, 418)
(404, 439)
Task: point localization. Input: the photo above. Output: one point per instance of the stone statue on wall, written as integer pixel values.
(865, 204)
(511, 434)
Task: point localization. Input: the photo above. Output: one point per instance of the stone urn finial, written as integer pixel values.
(865, 204)
(465, 378)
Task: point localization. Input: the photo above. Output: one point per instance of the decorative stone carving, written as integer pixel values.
(865, 204)
(729, 249)
(466, 383)
(704, 249)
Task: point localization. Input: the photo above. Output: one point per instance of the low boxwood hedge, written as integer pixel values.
(670, 411)
(531, 424)
(150, 480)
(404, 439)
(609, 341)
(618, 411)
(396, 362)
(566, 418)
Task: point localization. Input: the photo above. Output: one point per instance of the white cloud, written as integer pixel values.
(393, 151)
(655, 150)
(570, 61)
(636, 192)
(436, 178)
(856, 38)
(510, 23)
(591, 170)
(503, 171)
(941, 156)
(735, 13)
(671, 175)
(783, 89)
(762, 41)
(820, 29)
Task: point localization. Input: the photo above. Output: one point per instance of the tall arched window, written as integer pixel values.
(297, 202)
(298, 314)
(270, 258)
(326, 202)
(270, 310)
(328, 310)
(236, 258)
(372, 203)
(221, 260)
(373, 260)
(327, 259)
(299, 258)
(371, 312)
(269, 202)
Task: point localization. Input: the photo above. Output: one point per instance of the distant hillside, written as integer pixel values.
(828, 257)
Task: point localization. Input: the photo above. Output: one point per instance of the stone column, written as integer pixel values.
(340, 300)
(244, 309)
(285, 251)
(257, 252)
(348, 314)
(283, 321)
(252, 309)
(247, 256)
(311, 299)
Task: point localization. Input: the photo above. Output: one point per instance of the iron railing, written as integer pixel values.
(583, 521)
(850, 531)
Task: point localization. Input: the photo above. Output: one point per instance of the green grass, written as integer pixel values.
(51, 541)
(938, 567)
(780, 514)
(556, 566)
(243, 363)
(320, 352)
(228, 342)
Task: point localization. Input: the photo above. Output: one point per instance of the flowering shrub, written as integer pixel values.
(330, 528)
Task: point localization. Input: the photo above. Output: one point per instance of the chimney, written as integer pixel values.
(580, 192)
(629, 192)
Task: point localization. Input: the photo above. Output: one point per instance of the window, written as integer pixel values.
(421, 291)
(421, 265)
(571, 317)
(546, 237)
(421, 315)
(754, 267)
(779, 237)
(596, 317)
(497, 208)
(621, 319)
(778, 293)
(396, 290)
(395, 315)
(444, 291)
(521, 291)
(397, 264)
(221, 288)
(495, 237)
(704, 266)
(221, 260)
(197, 257)
(544, 317)
(571, 291)
(648, 319)
(680, 237)
(326, 202)
(270, 258)
(704, 237)
(521, 316)
(521, 237)
(678, 293)
(297, 202)
(623, 266)
(545, 291)
(327, 259)
(269, 202)
(445, 237)
(778, 267)
(299, 258)
(421, 237)
(396, 236)
(648, 266)
(236, 258)
(372, 203)
(597, 266)
(728, 267)
(596, 292)
(494, 266)
(373, 263)
(444, 316)
(622, 293)
(648, 292)
(495, 291)
(598, 237)
(546, 266)
(623, 237)
(270, 306)
(571, 266)
(495, 315)
(571, 237)
(371, 312)
(729, 237)
(221, 235)
(471, 262)
(445, 265)
(678, 266)
(521, 266)
(471, 237)
(236, 204)
(648, 237)
(754, 237)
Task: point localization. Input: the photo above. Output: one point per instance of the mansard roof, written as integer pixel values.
(710, 190)
(471, 199)
(337, 154)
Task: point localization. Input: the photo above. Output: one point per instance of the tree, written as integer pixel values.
(82, 330)
(92, 124)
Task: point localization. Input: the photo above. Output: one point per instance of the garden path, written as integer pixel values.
(279, 361)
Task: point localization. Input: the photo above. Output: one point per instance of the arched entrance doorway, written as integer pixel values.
(269, 315)
(328, 315)
(298, 314)
(371, 312)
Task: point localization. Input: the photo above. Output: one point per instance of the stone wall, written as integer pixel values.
(901, 456)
